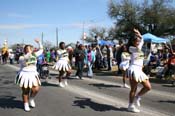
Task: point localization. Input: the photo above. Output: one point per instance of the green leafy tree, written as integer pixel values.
(156, 16)
(126, 13)
(100, 32)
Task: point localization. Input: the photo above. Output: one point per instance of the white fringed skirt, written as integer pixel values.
(136, 72)
(28, 79)
(62, 65)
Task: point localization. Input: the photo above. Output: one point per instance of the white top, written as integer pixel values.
(111, 53)
(28, 61)
(63, 54)
(137, 55)
(125, 57)
(11, 55)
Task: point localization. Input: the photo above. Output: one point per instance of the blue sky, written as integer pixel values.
(27, 19)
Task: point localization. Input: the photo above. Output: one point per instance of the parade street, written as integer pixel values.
(103, 95)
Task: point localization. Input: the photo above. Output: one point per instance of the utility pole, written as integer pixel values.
(57, 37)
(42, 37)
(22, 42)
(83, 36)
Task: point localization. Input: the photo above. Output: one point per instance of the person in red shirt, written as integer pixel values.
(170, 65)
(171, 62)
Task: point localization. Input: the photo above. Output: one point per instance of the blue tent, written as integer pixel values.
(148, 37)
(103, 42)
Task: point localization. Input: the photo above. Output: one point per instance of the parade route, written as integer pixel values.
(100, 96)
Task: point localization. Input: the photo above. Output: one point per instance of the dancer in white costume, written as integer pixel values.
(135, 73)
(62, 65)
(28, 77)
(124, 65)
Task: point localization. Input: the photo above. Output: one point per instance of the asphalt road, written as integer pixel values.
(102, 95)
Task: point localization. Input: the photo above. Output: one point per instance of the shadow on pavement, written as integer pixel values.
(158, 81)
(102, 85)
(168, 101)
(7, 82)
(170, 85)
(105, 73)
(87, 102)
(52, 74)
(49, 84)
(10, 102)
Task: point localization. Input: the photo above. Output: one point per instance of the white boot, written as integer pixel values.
(32, 102)
(138, 98)
(65, 82)
(77, 77)
(26, 107)
(132, 108)
(126, 86)
(61, 84)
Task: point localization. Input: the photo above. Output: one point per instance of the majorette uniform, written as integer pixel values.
(28, 76)
(125, 57)
(136, 65)
(63, 61)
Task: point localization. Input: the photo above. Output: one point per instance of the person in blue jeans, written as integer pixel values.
(90, 59)
(80, 56)
(40, 61)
